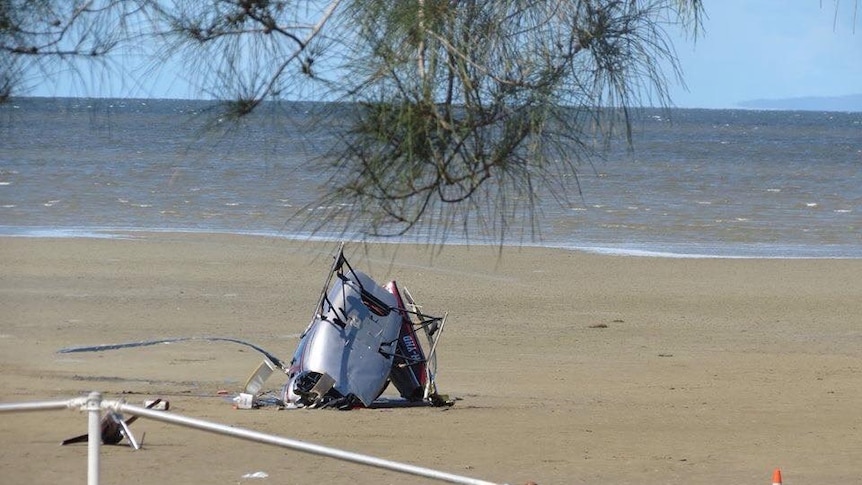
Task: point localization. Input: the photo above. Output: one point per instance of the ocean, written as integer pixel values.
(698, 183)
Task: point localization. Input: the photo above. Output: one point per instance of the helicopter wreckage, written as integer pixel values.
(362, 337)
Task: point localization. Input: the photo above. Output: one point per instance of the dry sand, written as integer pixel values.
(570, 368)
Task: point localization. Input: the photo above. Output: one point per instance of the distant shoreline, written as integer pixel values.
(851, 103)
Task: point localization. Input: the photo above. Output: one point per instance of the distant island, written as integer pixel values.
(851, 102)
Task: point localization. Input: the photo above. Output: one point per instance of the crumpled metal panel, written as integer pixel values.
(353, 338)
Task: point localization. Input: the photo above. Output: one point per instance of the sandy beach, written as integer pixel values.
(569, 368)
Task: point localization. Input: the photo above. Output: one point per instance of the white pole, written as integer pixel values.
(42, 405)
(256, 436)
(94, 438)
(94, 404)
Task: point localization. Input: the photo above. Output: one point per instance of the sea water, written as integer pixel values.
(696, 183)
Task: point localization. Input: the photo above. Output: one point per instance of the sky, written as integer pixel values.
(746, 50)
(771, 49)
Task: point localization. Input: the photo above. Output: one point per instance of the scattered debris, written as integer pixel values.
(157, 404)
(114, 428)
(256, 475)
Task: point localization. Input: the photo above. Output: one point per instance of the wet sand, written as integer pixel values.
(569, 368)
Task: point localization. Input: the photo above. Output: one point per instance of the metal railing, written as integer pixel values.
(93, 404)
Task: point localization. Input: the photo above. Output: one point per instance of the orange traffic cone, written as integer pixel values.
(776, 477)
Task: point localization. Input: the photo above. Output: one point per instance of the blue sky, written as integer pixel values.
(747, 49)
(753, 49)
